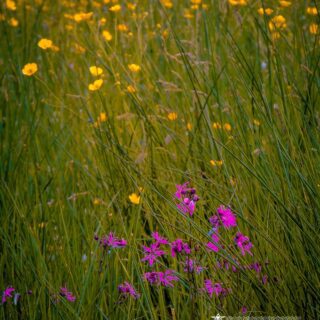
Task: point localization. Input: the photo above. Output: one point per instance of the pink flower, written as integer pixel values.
(178, 246)
(64, 292)
(213, 245)
(225, 217)
(152, 253)
(243, 243)
(111, 241)
(188, 198)
(216, 288)
(191, 266)
(159, 239)
(128, 290)
(161, 278)
(7, 293)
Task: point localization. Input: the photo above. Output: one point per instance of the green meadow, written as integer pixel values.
(107, 106)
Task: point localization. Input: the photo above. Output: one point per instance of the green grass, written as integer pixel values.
(221, 66)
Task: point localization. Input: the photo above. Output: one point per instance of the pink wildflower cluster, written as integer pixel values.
(188, 198)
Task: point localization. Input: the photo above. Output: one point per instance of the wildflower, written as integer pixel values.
(152, 253)
(243, 243)
(178, 246)
(313, 28)
(96, 85)
(211, 288)
(134, 198)
(256, 122)
(131, 89)
(67, 294)
(13, 22)
(213, 245)
(29, 69)
(216, 125)
(161, 278)
(7, 293)
(191, 266)
(159, 239)
(189, 126)
(82, 16)
(172, 116)
(216, 163)
(107, 35)
(244, 310)
(128, 290)
(238, 2)
(285, 4)
(111, 241)
(167, 3)
(134, 67)
(95, 71)
(227, 217)
(122, 27)
(277, 23)
(227, 127)
(266, 11)
(11, 5)
(312, 11)
(115, 8)
(102, 117)
(188, 198)
(45, 44)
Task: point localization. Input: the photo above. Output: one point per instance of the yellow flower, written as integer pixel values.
(196, 1)
(102, 117)
(45, 44)
(172, 116)
(96, 201)
(96, 85)
(29, 69)
(131, 6)
(238, 2)
(216, 125)
(312, 11)
(227, 127)
(131, 89)
(13, 22)
(277, 23)
(134, 67)
(216, 163)
(187, 14)
(102, 21)
(11, 5)
(189, 126)
(115, 8)
(82, 16)
(134, 198)
(107, 35)
(256, 122)
(313, 28)
(167, 3)
(122, 27)
(266, 11)
(95, 71)
(285, 4)
(79, 49)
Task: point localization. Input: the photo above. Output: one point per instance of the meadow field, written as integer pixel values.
(159, 159)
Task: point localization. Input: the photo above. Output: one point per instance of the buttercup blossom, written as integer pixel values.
(29, 69)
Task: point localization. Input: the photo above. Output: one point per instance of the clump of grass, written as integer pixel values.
(121, 102)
